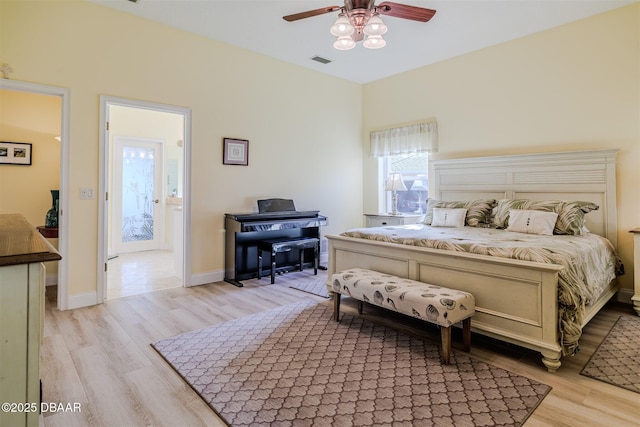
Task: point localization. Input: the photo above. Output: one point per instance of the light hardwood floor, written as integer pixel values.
(140, 272)
(101, 358)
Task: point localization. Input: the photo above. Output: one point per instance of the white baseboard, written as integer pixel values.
(218, 276)
(82, 300)
(204, 278)
(90, 298)
(51, 280)
(624, 295)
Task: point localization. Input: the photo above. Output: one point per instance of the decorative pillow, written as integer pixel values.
(571, 218)
(446, 217)
(570, 213)
(532, 222)
(478, 211)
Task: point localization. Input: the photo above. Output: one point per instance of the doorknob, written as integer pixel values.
(156, 201)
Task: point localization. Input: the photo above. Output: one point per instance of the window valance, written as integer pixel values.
(418, 138)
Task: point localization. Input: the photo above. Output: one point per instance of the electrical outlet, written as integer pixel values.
(86, 193)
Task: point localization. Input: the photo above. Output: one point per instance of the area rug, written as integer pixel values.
(313, 286)
(295, 366)
(617, 359)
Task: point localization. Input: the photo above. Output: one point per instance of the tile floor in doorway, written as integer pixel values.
(140, 272)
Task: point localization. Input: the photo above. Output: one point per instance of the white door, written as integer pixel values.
(138, 202)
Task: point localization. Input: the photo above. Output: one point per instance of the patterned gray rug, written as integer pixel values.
(295, 366)
(617, 359)
(312, 286)
(304, 281)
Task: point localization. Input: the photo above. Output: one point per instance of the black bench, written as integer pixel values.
(275, 246)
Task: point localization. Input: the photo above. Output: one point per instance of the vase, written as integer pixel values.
(51, 220)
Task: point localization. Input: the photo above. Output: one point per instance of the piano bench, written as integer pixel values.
(275, 246)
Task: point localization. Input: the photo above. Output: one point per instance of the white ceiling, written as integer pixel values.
(459, 26)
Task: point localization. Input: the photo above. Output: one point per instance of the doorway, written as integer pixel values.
(146, 190)
(63, 141)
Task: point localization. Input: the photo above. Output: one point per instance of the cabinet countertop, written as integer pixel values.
(21, 243)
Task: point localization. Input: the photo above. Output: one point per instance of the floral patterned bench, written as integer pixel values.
(430, 303)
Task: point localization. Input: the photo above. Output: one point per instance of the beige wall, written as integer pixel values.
(304, 128)
(570, 88)
(35, 119)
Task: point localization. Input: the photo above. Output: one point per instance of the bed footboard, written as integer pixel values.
(516, 301)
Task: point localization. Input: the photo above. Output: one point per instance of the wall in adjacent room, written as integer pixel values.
(35, 119)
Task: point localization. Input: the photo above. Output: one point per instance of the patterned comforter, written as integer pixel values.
(590, 261)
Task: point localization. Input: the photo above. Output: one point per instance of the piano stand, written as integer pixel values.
(275, 246)
(243, 232)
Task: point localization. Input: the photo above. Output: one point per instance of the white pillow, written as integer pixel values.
(448, 217)
(532, 222)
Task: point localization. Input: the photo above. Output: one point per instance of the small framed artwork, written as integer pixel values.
(235, 152)
(15, 153)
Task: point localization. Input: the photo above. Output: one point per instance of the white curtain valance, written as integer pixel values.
(419, 138)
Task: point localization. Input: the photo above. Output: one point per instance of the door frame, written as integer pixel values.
(103, 179)
(63, 221)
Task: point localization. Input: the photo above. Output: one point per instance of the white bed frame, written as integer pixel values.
(516, 301)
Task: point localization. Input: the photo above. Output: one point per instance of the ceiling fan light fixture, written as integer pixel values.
(342, 26)
(344, 43)
(375, 26)
(374, 42)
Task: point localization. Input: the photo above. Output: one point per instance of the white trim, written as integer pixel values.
(51, 280)
(82, 300)
(205, 278)
(102, 184)
(63, 221)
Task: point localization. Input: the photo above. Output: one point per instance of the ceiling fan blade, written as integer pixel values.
(310, 13)
(405, 11)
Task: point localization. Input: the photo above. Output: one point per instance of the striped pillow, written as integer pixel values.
(570, 213)
(478, 211)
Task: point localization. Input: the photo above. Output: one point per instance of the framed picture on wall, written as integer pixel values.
(15, 153)
(235, 151)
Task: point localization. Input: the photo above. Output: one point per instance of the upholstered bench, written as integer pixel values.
(275, 246)
(431, 303)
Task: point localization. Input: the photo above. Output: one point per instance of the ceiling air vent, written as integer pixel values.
(320, 59)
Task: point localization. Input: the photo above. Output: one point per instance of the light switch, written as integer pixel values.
(86, 193)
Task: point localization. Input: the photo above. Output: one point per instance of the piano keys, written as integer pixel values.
(244, 230)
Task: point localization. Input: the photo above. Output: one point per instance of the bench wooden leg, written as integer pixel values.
(259, 264)
(466, 334)
(445, 334)
(336, 306)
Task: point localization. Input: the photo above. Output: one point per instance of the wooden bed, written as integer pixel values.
(516, 301)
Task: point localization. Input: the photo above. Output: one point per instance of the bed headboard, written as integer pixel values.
(579, 175)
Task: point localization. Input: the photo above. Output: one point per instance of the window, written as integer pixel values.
(405, 150)
(414, 171)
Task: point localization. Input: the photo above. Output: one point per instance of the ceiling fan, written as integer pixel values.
(358, 18)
